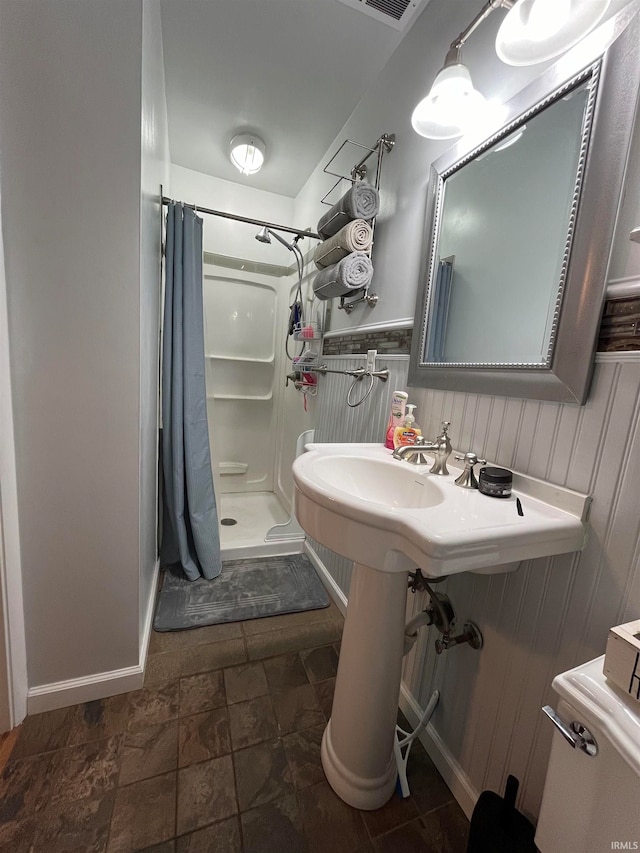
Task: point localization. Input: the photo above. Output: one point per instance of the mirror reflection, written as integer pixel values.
(503, 239)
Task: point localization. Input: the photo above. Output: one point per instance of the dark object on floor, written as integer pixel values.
(245, 589)
(497, 826)
(228, 522)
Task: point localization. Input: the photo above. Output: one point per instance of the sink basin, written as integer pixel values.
(390, 515)
(375, 481)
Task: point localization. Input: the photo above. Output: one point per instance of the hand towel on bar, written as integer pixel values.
(356, 236)
(360, 202)
(351, 273)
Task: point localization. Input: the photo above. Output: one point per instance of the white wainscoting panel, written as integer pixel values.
(552, 613)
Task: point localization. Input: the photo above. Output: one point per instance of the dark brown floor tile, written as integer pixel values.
(262, 774)
(152, 705)
(98, 719)
(330, 824)
(165, 847)
(206, 793)
(285, 671)
(291, 620)
(324, 692)
(252, 722)
(321, 663)
(274, 828)
(212, 656)
(293, 639)
(173, 641)
(393, 814)
(303, 756)
(76, 826)
(88, 770)
(204, 736)
(162, 667)
(17, 836)
(25, 786)
(297, 708)
(444, 830)
(43, 733)
(144, 814)
(427, 787)
(222, 837)
(244, 682)
(149, 752)
(202, 693)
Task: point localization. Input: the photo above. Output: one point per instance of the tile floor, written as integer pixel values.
(220, 751)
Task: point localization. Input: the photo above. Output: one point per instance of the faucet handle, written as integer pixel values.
(467, 480)
(470, 458)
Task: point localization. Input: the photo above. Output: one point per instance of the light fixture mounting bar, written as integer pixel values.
(484, 13)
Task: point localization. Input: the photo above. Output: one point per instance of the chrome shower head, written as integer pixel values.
(265, 235)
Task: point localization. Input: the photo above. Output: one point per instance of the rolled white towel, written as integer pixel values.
(362, 201)
(351, 273)
(356, 236)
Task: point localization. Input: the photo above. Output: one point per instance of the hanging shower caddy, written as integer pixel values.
(384, 145)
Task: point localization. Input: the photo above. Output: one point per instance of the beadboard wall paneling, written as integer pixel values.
(552, 613)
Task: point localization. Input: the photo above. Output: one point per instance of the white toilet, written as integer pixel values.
(591, 803)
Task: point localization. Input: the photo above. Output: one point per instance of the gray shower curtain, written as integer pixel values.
(190, 519)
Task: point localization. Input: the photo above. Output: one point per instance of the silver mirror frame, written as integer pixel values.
(611, 57)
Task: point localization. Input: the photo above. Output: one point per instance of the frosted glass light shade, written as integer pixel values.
(536, 30)
(451, 107)
(247, 153)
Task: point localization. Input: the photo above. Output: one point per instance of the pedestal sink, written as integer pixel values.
(388, 517)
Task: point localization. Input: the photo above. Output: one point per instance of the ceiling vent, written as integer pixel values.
(394, 13)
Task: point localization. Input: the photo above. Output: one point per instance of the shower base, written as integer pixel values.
(255, 513)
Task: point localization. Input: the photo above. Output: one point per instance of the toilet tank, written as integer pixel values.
(591, 804)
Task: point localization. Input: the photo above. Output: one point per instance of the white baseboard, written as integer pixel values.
(148, 619)
(446, 764)
(329, 583)
(60, 694)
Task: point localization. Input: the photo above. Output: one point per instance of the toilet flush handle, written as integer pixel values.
(577, 735)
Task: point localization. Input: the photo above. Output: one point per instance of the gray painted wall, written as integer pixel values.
(81, 249)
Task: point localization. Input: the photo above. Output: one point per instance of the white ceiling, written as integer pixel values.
(291, 70)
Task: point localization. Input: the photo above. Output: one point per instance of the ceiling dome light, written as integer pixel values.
(452, 106)
(247, 153)
(536, 30)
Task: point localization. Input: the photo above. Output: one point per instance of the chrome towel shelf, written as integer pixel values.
(383, 145)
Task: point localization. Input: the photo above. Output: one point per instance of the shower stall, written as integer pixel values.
(255, 416)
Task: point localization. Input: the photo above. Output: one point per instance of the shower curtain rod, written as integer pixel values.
(198, 209)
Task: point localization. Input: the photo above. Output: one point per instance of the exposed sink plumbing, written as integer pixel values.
(440, 613)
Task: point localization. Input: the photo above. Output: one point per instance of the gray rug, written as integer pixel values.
(246, 589)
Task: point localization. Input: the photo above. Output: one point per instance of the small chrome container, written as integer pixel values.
(495, 482)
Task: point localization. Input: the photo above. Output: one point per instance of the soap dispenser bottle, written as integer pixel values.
(409, 432)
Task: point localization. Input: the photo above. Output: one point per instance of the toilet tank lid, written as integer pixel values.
(605, 705)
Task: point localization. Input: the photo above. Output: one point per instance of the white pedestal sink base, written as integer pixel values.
(357, 747)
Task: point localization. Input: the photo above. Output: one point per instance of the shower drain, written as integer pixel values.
(228, 522)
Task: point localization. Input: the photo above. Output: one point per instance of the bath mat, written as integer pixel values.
(245, 589)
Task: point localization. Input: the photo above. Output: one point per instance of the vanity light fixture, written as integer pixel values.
(533, 31)
(452, 105)
(537, 30)
(247, 152)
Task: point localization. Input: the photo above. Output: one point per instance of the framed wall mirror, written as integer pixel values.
(519, 230)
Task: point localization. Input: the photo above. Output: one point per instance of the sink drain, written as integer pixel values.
(228, 522)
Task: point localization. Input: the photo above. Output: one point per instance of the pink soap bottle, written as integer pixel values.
(396, 417)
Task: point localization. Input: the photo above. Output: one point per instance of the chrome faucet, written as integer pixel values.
(415, 453)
